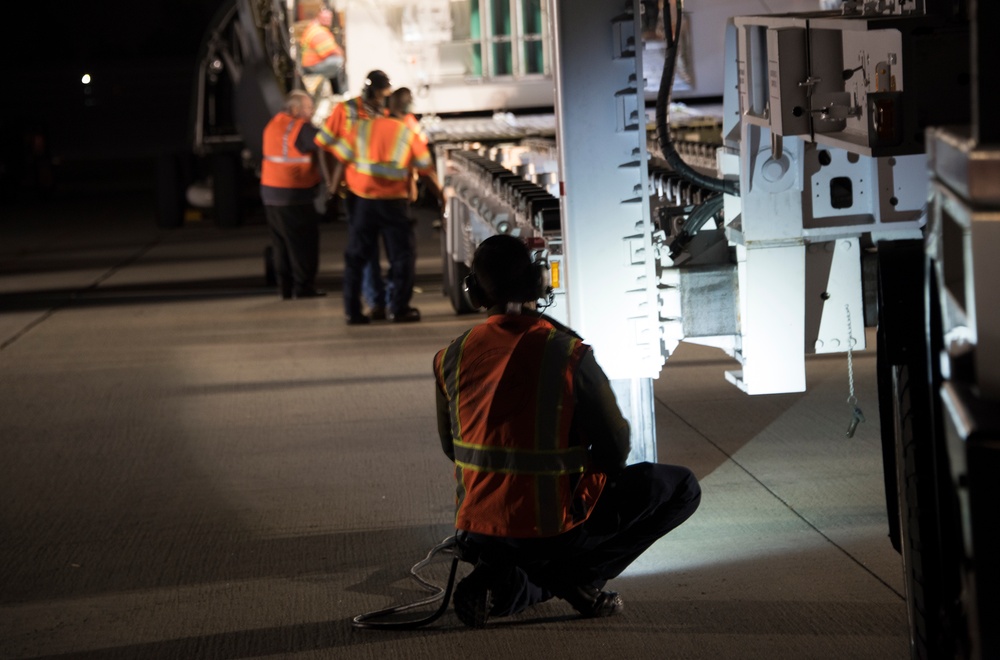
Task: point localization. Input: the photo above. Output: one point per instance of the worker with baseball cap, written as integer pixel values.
(339, 125)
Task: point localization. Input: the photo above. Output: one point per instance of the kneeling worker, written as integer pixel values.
(546, 505)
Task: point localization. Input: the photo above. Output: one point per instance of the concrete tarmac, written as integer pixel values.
(192, 468)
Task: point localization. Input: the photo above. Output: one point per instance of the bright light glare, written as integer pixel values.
(86, 79)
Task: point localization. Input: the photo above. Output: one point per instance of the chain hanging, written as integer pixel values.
(856, 415)
(851, 400)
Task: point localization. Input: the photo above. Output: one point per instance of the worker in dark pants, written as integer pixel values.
(546, 505)
(289, 183)
(382, 152)
(341, 125)
(320, 54)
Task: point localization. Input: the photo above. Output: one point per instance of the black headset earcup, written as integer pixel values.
(475, 291)
(542, 280)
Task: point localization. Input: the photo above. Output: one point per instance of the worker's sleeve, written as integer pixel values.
(443, 411)
(343, 149)
(306, 141)
(598, 419)
(328, 135)
(421, 155)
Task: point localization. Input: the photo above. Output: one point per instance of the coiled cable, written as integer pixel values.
(371, 619)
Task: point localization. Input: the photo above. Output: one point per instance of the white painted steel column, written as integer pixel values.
(609, 261)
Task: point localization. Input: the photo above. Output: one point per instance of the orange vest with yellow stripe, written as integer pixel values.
(381, 153)
(317, 44)
(284, 165)
(510, 389)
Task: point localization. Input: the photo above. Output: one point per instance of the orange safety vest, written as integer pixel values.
(317, 43)
(413, 124)
(381, 152)
(509, 383)
(284, 165)
(341, 121)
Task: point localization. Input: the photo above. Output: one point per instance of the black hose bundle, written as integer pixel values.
(673, 34)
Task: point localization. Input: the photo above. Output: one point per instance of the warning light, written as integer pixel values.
(86, 79)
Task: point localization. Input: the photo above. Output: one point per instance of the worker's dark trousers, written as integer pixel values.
(372, 285)
(369, 218)
(645, 502)
(295, 236)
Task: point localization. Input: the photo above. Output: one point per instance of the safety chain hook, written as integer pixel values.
(856, 415)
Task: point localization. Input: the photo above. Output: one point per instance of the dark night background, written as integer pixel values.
(57, 132)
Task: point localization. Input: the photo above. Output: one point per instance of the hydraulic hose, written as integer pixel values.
(696, 219)
(703, 213)
(729, 187)
(370, 620)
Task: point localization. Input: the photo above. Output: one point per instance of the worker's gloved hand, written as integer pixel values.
(336, 191)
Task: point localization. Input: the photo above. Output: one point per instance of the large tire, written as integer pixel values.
(457, 272)
(453, 278)
(926, 533)
(445, 258)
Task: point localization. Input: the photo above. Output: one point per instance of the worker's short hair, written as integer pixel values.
(396, 99)
(503, 271)
(294, 101)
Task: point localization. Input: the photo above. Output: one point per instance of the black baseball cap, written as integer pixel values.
(377, 80)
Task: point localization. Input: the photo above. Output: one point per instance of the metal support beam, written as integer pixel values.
(608, 256)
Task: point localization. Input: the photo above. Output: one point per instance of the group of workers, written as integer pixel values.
(370, 146)
(545, 503)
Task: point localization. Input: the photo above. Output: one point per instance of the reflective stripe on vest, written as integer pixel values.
(542, 469)
(317, 43)
(451, 363)
(284, 157)
(394, 169)
(514, 461)
(547, 457)
(341, 121)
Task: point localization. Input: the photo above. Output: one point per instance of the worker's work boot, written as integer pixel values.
(487, 591)
(408, 315)
(474, 597)
(591, 602)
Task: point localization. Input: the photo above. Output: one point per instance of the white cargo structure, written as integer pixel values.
(852, 181)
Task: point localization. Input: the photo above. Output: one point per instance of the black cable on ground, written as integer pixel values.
(370, 620)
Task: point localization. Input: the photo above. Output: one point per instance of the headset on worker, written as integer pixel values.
(505, 270)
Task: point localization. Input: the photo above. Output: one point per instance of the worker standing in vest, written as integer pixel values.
(289, 184)
(381, 152)
(401, 108)
(340, 125)
(546, 504)
(319, 52)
